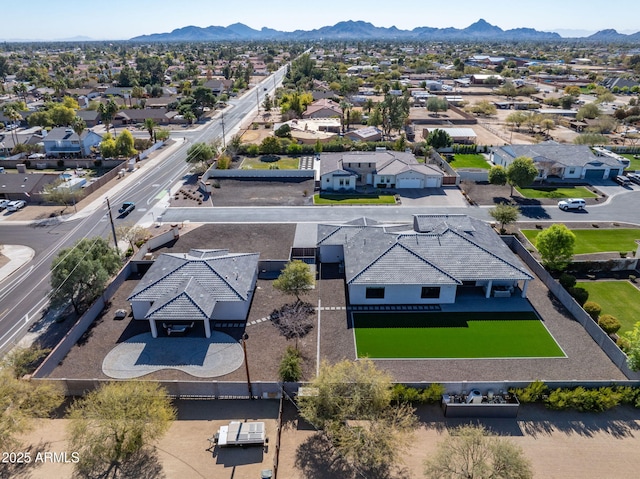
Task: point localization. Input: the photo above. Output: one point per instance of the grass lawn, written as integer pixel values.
(599, 240)
(635, 162)
(284, 163)
(354, 199)
(453, 335)
(617, 298)
(559, 192)
(469, 161)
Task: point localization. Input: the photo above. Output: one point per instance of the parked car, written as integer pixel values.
(127, 207)
(3, 204)
(572, 204)
(16, 205)
(622, 180)
(634, 178)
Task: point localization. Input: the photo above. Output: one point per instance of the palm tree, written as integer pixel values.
(107, 112)
(78, 125)
(14, 116)
(150, 126)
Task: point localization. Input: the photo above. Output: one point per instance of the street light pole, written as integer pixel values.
(245, 336)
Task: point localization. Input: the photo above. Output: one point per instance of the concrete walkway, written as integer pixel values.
(200, 357)
(18, 256)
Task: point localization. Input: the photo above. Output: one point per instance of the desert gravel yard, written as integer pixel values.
(297, 192)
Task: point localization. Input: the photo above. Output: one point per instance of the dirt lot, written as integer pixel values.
(559, 444)
(296, 192)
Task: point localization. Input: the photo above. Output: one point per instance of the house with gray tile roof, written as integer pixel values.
(429, 262)
(201, 285)
(380, 168)
(555, 160)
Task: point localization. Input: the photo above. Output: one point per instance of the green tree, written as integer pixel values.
(483, 107)
(470, 452)
(20, 401)
(555, 245)
(516, 118)
(290, 369)
(40, 118)
(521, 172)
(61, 115)
(78, 125)
(498, 175)
(109, 426)
(108, 146)
(591, 139)
(124, 144)
(270, 146)
(200, 154)
(108, 112)
(439, 139)
(353, 407)
(295, 279)
(80, 273)
(267, 104)
(436, 104)
(505, 214)
(590, 110)
(150, 125)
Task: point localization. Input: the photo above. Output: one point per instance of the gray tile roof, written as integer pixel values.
(386, 162)
(443, 249)
(550, 151)
(223, 276)
(188, 300)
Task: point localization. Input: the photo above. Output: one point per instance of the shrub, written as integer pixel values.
(294, 149)
(533, 392)
(609, 324)
(290, 367)
(253, 150)
(584, 400)
(405, 394)
(284, 131)
(593, 309)
(624, 344)
(567, 280)
(581, 295)
(223, 162)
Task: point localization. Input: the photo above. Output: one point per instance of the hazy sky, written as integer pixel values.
(120, 19)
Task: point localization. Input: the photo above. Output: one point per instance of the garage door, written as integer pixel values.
(409, 183)
(433, 183)
(594, 174)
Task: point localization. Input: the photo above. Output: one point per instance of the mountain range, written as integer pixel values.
(359, 30)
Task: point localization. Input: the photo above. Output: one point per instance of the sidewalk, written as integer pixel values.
(18, 256)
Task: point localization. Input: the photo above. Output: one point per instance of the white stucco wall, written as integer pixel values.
(331, 254)
(140, 308)
(401, 294)
(333, 183)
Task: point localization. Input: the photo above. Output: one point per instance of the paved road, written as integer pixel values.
(24, 295)
(623, 207)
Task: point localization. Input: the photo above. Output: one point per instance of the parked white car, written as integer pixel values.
(572, 204)
(3, 204)
(16, 205)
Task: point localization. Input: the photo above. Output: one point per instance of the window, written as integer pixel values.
(328, 180)
(430, 292)
(375, 293)
(341, 182)
(572, 171)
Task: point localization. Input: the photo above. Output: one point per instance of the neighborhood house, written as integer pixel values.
(381, 169)
(439, 258)
(202, 285)
(561, 161)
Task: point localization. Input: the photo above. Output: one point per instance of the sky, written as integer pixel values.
(123, 19)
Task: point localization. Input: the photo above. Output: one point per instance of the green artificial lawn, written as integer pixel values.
(355, 199)
(560, 192)
(635, 162)
(599, 240)
(469, 161)
(453, 335)
(284, 163)
(617, 298)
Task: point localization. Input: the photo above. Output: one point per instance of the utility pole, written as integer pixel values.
(224, 141)
(245, 336)
(113, 227)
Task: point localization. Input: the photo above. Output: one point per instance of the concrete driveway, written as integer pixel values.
(446, 196)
